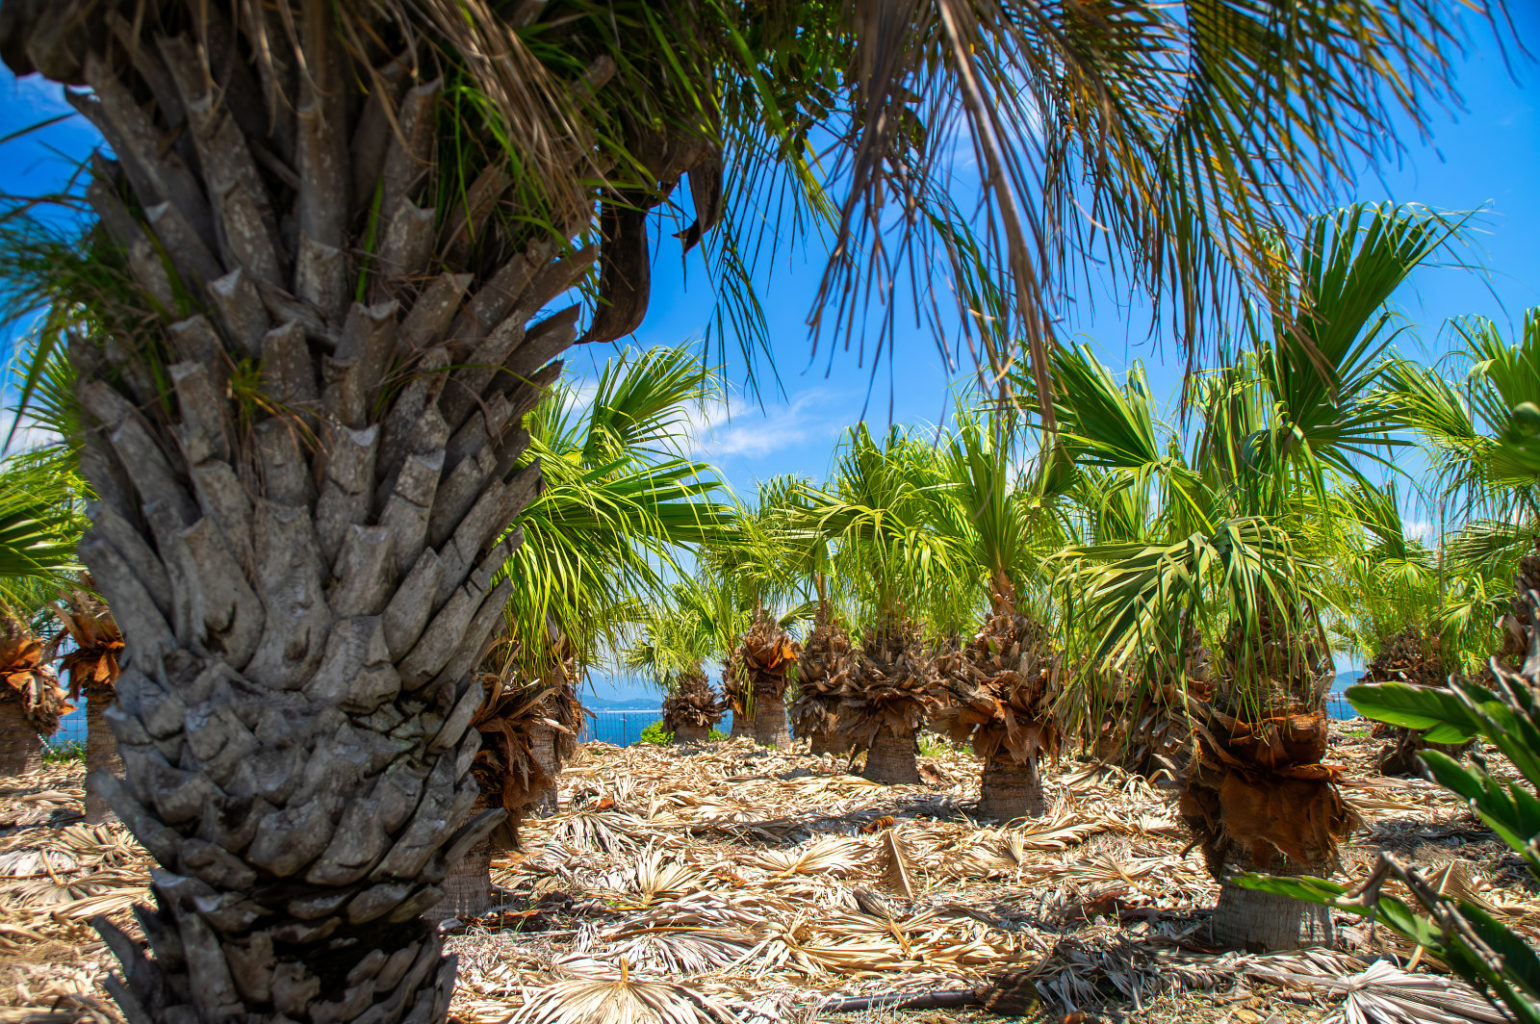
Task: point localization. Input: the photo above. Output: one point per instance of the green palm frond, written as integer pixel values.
(42, 517)
(618, 503)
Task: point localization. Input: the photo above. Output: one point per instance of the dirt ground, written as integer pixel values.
(726, 883)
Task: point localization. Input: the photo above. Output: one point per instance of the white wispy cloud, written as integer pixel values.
(1424, 530)
(721, 430)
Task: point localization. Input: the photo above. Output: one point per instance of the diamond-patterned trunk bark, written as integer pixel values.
(306, 469)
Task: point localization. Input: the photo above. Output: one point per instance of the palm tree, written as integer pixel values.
(1476, 431)
(1008, 678)
(40, 521)
(332, 231)
(1248, 521)
(691, 709)
(1392, 600)
(619, 499)
(675, 640)
(93, 664)
(31, 702)
(765, 659)
(878, 517)
(825, 674)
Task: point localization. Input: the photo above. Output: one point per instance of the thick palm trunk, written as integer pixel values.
(742, 727)
(1011, 790)
(101, 752)
(543, 740)
(467, 887)
(21, 750)
(891, 759)
(821, 743)
(691, 734)
(301, 561)
(1261, 922)
(770, 725)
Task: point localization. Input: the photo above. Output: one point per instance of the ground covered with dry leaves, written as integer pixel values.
(726, 883)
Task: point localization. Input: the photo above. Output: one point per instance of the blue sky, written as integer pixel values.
(1485, 157)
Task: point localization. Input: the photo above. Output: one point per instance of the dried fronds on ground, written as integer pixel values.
(735, 884)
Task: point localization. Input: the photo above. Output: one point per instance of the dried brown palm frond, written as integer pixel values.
(1003, 691)
(622, 998)
(766, 655)
(893, 691)
(1256, 794)
(834, 855)
(692, 708)
(31, 684)
(525, 727)
(670, 950)
(92, 665)
(824, 673)
(652, 877)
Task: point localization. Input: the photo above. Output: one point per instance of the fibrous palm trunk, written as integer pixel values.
(891, 759)
(101, 752)
(691, 734)
(741, 727)
(1011, 789)
(770, 726)
(822, 743)
(1263, 922)
(21, 749)
(543, 740)
(301, 558)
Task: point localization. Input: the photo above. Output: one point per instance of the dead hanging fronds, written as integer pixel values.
(30, 679)
(825, 673)
(93, 663)
(692, 708)
(1003, 691)
(894, 688)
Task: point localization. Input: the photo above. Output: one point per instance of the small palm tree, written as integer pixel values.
(878, 516)
(1247, 523)
(691, 709)
(1006, 684)
(31, 701)
(619, 499)
(766, 659)
(40, 523)
(674, 641)
(93, 665)
(1476, 430)
(826, 672)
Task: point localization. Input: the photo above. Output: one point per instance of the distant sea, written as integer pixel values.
(1336, 704)
(623, 725)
